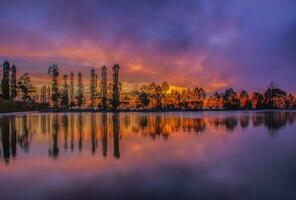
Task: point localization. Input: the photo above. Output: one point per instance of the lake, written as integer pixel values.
(171, 155)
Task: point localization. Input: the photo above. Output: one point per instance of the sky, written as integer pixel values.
(212, 44)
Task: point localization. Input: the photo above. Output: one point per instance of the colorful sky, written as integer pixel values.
(209, 43)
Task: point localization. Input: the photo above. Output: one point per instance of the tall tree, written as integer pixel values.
(26, 87)
(5, 80)
(93, 88)
(275, 97)
(71, 89)
(230, 99)
(43, 99)
(53, 72)
(199, 95)
(13, 83)
(80, 91)
(65, 92)
(257, 100)
(115, 88)
(103, 87)
(244, 100)
(48, 95)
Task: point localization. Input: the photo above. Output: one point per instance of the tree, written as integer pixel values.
(176, 98)
(72, 103)
(48, 95)
(5, 80)
(103, 86)
(291, 101)
(165, 87)
(13, 83)
(215, 101)
(26, 87)
(93, 89)
(65, 92)
(244, 100)
(115, 88)
(142, 97)
(158, 97)
(53, 72)
(230, 99)
(80, 91)
(199, 95)
(275, 97)
(43, 91)
(257, 100)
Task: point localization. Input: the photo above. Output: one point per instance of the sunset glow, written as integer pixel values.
(209, 44)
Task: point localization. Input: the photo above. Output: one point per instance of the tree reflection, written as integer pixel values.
(104, 134)
(72, 132)
(19, 131)
(23, 138)
(274, 121)
(115, 120)
(5, 139)
(79, 127)
(93, 133)
(65, 128)
(244, 121)
(54, 150)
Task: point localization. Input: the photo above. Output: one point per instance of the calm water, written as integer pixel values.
(208, 155)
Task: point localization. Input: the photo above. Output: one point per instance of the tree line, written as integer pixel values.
(104, 94)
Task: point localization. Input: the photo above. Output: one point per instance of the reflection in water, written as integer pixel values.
(93, 133)
(18, 131)
(54, 150)
(104, 133)
(79, 127)
(5, 139)
(115, 122)
(72, 132)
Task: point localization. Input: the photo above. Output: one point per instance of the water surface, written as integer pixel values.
(178, 155)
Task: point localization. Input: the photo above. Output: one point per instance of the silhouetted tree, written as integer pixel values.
(53, 72)
(230, 99)
(93, 89)
(115, 88)
(158, 97)
(291, 101)
(5, 80)
(72, 103)
(143, 98)
(13, 83)
(244, 100)
(199, 96)
(80, 91)
(65, 92)
(257, 100)
(26, 87)
(43, 94)
(103, 87)
(275, 97)
(48, 94)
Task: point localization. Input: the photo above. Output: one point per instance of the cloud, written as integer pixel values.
(188, 43)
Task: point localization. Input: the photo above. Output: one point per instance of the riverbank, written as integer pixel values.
(17, 106)
(128, 111)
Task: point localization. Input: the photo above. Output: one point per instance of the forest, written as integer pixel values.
(98, 93)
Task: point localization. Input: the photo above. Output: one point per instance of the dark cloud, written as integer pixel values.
(238, 39)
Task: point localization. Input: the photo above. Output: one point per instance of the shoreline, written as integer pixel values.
(139, 111)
